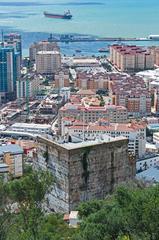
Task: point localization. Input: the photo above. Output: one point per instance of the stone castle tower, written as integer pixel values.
(83, 171)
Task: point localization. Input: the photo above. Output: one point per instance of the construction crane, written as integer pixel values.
(27, 98)
(19, 93)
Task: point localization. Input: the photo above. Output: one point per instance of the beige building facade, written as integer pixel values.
(131, 58)
(48, 62)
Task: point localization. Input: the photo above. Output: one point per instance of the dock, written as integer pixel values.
(70, 38)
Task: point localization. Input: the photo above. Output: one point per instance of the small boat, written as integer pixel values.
(103, 50)
(78, 51)
(66, 15)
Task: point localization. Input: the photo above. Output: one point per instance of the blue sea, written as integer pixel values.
(105, 18)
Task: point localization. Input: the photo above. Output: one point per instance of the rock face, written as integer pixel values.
(83, 171)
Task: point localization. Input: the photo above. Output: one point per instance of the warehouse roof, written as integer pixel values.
(31, 125)
(12, 148)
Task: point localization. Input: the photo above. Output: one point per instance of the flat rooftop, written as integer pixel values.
(151, 174)
(17, 134)
(156, 134)
(71, 146)
(151, 146)
(153, 126)
(3, 165)
(12, 148)
(48, 52)
(30, 125)
(73, 215)
(148, 156)
(85, 61)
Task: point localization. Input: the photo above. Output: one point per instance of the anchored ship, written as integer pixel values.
(66, 15)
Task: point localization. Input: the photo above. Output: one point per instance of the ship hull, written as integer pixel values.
(58, 16)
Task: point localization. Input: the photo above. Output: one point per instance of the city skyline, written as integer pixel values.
(79, 120)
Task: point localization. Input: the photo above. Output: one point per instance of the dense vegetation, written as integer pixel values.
(131, 213)
(22, 204)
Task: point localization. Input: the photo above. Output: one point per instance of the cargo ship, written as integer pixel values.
(66, 15)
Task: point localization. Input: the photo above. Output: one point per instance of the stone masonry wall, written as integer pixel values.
(55, 159)
(95, 171)
(84, 173)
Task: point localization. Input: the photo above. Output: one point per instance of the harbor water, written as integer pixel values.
(103, 18)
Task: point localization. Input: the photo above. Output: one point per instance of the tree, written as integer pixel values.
(5, 211)
(22, 204)
(54, 228)
(90, 207)
(131, 213)
(28, 193)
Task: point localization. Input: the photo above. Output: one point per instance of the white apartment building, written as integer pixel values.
(28, 86)
(91, 114)
(135, 132)
(48, 62)
(148, 161)
(156, 138)
(65, 92)
(31, 128)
